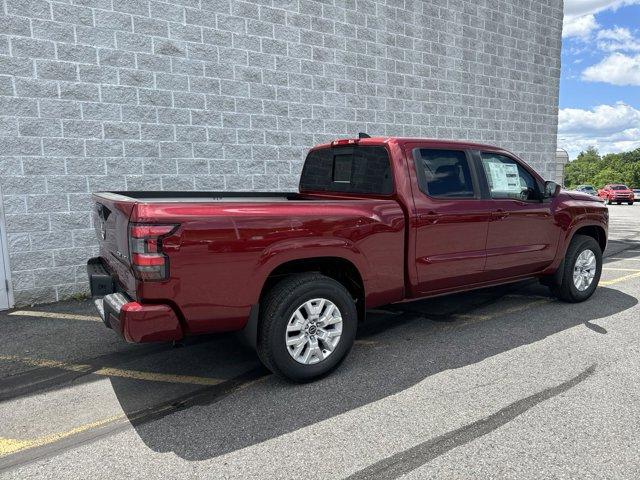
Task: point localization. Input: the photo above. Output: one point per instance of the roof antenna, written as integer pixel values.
(363, 135)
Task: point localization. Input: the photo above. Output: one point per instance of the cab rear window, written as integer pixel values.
(360, 169)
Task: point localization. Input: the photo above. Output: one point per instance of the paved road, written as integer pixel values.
(503, 383)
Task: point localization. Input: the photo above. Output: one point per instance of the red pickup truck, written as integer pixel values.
(376, 221)
(616, 193)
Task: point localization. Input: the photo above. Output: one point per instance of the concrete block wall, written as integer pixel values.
(228, 95)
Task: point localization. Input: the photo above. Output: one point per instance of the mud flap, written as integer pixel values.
(249, 334)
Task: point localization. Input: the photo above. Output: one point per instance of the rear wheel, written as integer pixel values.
(619, 203)
(582, 270)
(308, 326)
(630, 203)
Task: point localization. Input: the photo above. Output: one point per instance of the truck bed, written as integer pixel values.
(226, 244)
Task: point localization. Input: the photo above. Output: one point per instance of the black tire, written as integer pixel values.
(567, 290)
(630, 203)
(619, 203)
(278, 307)
(609, 201)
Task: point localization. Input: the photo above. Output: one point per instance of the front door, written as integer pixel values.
(451, 220)
(522, 235)
(4, 267)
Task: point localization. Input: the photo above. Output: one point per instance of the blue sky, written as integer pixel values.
(600, 80)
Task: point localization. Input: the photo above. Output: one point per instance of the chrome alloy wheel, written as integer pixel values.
(313, 331)
(584, 270)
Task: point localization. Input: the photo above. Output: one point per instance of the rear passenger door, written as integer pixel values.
(522, 236)
(451, 219)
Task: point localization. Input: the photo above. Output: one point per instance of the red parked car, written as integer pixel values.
(376, 221)
(616, 193)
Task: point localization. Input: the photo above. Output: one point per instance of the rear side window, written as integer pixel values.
(363, 169)
(444, 173)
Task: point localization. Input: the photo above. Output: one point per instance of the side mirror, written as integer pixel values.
(551, 189)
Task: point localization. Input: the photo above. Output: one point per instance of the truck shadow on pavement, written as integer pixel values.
(396, 349)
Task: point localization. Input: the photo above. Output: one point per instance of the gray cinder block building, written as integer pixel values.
(228, 95)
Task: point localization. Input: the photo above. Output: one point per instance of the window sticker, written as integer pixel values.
(504, 177)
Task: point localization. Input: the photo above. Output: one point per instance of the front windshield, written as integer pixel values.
(619, 187)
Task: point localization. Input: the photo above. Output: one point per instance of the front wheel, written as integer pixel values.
(619, 203)
(630, 203)
(582, 270)
(307, 327)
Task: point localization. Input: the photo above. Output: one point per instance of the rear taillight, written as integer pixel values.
(145, 245)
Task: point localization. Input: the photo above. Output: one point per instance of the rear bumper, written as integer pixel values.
(135, 322)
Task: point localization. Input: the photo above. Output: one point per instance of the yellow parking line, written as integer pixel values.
(471, 316)
(36, 362)
(623, 269)
(624, 258)
(507, 311)
(520, 308)
(115, 372)
(11, 445)
(63, 316)
(158, 377)
(620, 279)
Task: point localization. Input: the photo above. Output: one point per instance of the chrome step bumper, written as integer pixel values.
(110, 305)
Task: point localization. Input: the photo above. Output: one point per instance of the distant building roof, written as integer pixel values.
(562, 156)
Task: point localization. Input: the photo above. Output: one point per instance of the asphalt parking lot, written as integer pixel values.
(501, 383)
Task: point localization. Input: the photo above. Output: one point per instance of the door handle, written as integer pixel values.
(429, 217)
(499, 214)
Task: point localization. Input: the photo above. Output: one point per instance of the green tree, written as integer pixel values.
(584, 168)
(591, 168)
(589, 155)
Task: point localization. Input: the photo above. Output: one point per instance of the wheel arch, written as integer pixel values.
(592, 230)
(338, 268)
(597, 232)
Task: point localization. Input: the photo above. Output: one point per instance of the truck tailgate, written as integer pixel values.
(111, 221)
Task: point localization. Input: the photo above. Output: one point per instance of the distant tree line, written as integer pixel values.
(591, 168)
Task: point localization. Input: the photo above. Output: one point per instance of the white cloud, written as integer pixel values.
(579, 19)
(579, 27)
(585, 7)
(617, 39)
(616, 69)
(610, 128)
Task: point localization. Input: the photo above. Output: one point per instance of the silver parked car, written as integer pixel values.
(587, 189)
